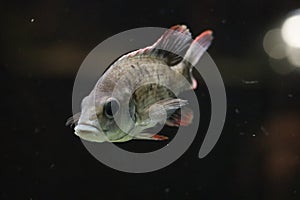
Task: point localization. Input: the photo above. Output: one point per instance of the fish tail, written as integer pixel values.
(198, 47)
(193, 55)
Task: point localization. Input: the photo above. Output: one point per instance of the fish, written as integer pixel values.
(139, 90)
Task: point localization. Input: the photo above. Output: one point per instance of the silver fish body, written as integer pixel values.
(140, 90)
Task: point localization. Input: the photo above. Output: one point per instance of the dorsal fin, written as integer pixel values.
(174, 41)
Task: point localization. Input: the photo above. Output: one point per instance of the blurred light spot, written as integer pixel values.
(32, 20)
(281, 66)
(283, 45)
(294, 55)
(291, 30)
(278, 51)
(273, 44)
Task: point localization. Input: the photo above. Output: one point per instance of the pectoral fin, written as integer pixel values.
(163, 109)
(171, 104)
(181, 117)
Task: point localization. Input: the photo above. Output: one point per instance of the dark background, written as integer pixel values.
(43, 45)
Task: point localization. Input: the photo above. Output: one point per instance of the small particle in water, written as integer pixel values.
(237, 111)
(290, 95)
(167, 190)
(19, 169)
(162, 11)
(32, 20)
(242, 133)
(224, 21)
(199, 188)
(52, 166)
(253, 135)
(264, 130)
(250, 82)
(293, 134)
(36, 130)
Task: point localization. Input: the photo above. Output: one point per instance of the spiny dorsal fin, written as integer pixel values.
(169, 46)
(175, 40)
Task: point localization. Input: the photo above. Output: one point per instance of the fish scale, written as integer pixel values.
(145, 95)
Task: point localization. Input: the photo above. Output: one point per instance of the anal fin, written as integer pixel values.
(150, 136)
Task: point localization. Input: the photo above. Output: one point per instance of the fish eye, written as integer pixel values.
(111, 107)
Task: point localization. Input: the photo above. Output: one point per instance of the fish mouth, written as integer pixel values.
(89, 132)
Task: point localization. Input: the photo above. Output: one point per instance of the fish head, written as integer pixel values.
(103, 119)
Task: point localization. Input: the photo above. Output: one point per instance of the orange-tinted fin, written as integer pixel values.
(198, 47)
(149, 136)
(193, 55)
(159, 137)
(182, 117)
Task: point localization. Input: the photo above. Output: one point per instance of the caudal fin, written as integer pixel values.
(198, 47)
(193, 55)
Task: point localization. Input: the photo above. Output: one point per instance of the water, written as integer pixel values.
(257, 156)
